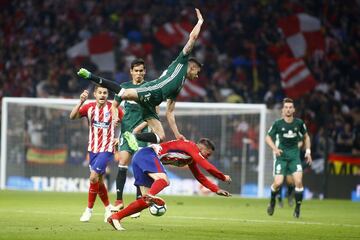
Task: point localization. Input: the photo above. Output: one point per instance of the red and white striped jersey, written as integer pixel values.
(183, 152)
(101, 127)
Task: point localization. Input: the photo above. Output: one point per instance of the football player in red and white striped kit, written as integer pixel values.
(101, 144)
(150, 174)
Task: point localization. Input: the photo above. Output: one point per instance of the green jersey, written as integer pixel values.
(133, 111)
(167, 86)
(287, 135)
(175, 76)
(132, 118)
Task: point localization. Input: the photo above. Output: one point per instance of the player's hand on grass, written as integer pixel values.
(227, 179)
(277, 152)
(84, 73)
(222, 192)
(84, 96)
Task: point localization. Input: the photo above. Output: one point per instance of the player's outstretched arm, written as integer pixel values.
(194, 34)
(110, 85)
(170, 116)
(75, 111)
(227, 179)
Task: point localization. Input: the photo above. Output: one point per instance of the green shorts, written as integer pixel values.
(148, 101)
(124, 146)
(286, 166)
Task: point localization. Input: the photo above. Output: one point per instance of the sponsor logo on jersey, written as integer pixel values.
(101, 124)
(290, 134)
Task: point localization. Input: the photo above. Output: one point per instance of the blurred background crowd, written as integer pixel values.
(238, 37)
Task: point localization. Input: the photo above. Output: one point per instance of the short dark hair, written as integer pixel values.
(96, 86)
(287, 100)
(192, 59)
(207, 143)
(136, 62)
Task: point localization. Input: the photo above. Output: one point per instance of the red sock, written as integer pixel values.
(157, 186)
(134, 207)
(103, 194)
(93, 190)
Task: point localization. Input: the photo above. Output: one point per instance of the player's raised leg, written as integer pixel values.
(110, 85)
(156, 136)
(151, 177)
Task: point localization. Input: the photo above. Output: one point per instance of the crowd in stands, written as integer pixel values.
(35, 35)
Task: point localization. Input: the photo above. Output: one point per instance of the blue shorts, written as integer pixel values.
(99, 161)
(143, 162)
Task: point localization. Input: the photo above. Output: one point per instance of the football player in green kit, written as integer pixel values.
(152, 93)
(132, 122)
(283, 138)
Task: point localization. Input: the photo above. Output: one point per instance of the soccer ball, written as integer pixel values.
(157, 210)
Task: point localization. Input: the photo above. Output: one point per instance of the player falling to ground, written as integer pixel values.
(150, 174)
(287, 132)
(166, 87)
(132, 122)
(101, 141)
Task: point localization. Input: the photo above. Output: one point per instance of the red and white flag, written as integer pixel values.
(303, 34)
(296, 79)
(99, 48)
(191, 90)
(173, 34)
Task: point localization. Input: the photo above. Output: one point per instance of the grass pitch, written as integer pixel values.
(42, 215)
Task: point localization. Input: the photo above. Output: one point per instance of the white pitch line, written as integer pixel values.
(267, 221)
(204, 218)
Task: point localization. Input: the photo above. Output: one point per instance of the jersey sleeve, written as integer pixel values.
(83, 110)
(181, 58)
(193, 151)
(272, 131)
(201, 178)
